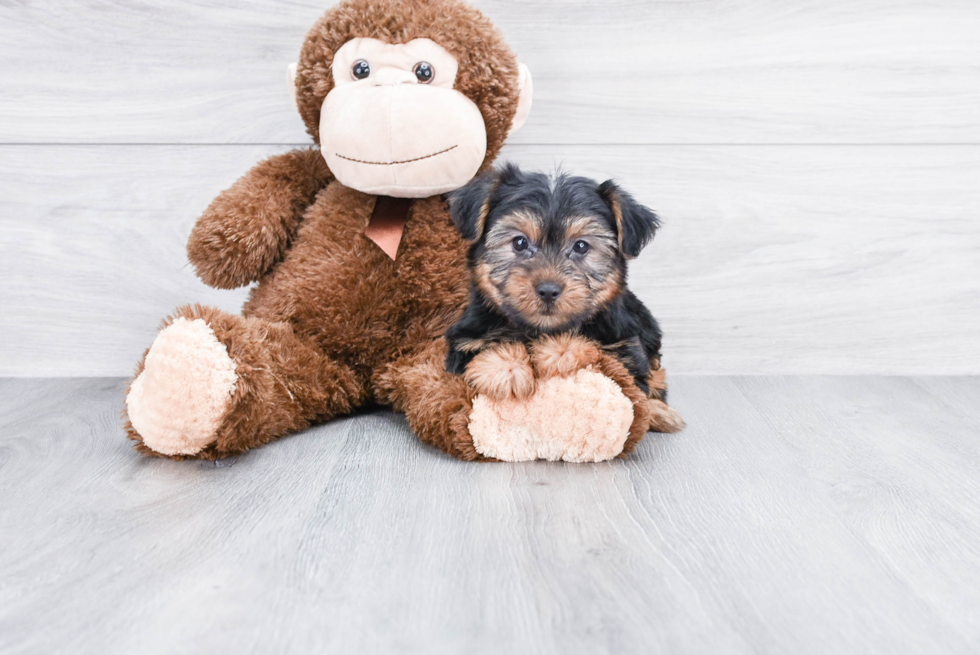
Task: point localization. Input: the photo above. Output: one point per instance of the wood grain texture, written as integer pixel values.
(724, 71)
(772, 259)
(900, 460)
(814, 515)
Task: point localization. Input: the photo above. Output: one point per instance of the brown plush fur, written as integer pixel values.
(436, 404)
(247, 230)
(335, 324)
(284, 383)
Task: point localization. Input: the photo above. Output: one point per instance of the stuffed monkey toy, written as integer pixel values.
(358, 266)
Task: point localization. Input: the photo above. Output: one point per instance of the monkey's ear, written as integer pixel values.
(291, 73)
(635, 224)
(525, 87)
(470, 205)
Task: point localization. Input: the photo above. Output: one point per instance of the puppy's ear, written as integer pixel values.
(635, 224)
(470, 205)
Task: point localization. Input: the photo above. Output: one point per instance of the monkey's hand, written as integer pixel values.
(248, 227)
(502, 372)
(562, 355)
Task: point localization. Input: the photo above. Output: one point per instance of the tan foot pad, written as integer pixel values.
(178, 401)
(581, 418)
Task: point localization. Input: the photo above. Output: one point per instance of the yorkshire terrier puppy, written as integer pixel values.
(548, 289)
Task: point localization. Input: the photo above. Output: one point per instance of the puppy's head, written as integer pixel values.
(549, 252)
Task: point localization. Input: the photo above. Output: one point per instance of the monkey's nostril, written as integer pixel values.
(548, 291)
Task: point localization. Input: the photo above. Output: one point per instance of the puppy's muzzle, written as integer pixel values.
(548, 291)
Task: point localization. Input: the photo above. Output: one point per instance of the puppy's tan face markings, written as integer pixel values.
(578, 254)
(507, 228)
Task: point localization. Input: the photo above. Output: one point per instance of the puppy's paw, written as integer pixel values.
(664, 418)
(562, 355)
(503, 372)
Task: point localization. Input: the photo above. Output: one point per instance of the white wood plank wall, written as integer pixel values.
(817, 164)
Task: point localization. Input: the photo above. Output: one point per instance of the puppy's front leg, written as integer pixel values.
(502, 371)
(562, 355)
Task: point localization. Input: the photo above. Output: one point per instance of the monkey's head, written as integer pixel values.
(408, 99)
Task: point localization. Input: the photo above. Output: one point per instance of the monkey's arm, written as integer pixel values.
(248, 227)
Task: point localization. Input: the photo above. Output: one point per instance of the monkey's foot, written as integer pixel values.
(179, 400)
(503, 372)
(584, 417)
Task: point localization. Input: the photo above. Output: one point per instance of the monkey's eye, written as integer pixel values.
(424, 72)
(580, 247)
(520, 244)
(360, 69)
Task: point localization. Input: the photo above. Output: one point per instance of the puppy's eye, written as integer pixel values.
(580, 247)
(520, 244)
(360, 69)
(424, 72)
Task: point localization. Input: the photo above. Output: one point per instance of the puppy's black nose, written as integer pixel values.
(548, 291)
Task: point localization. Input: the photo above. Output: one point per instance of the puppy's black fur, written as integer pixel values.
(548, 255)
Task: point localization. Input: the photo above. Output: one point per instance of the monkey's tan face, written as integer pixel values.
(393, 124)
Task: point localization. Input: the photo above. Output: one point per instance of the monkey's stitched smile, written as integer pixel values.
(392, 163)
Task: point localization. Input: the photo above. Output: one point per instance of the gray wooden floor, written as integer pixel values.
(794, 515)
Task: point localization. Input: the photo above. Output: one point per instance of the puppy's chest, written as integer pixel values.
(596, 328)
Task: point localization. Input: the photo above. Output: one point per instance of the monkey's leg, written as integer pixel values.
(214, 384)
(437, 404)
(593, 414)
